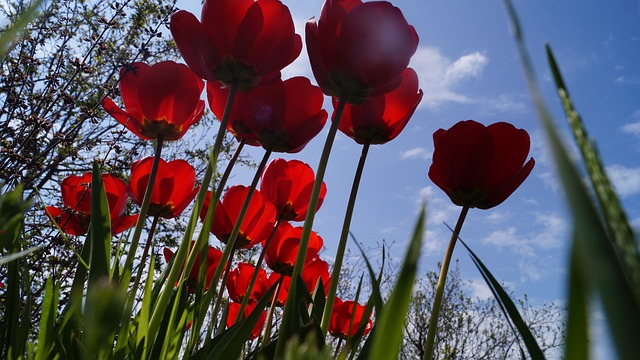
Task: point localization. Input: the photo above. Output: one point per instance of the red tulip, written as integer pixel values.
(341, 318)
(242, 41)
(480, 166)
(288, 185)
(173, 190)
(283, 250)
(279, 115)
(239, 279)
(284, 287)
(74, 218)
(234, 307)
(258, 221)
(381, 118)
(161, 100)
(359, 49)
(213, 259)
(314, 271)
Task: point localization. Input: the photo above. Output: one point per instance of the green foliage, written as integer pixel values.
(388, 336)
(604, 250)
(508, 308)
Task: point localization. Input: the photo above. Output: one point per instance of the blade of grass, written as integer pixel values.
(507, 306)
(388, 337)
(47, 333)
(100, 230)
(596, 254)
(577, 338)
(7, 40)
(608, 201)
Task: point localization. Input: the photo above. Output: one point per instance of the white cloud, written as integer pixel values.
(416, 153)
(626, 181)
(440, 75)
(480, 290)
(631, 128)
(510, 239)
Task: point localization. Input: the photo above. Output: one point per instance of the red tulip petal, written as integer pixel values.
(198, 50)
(122, 223)
(497, 196)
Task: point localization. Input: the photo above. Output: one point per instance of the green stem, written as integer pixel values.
(437, 301)
(143, 209)
(267, 328)
(223, 284)
(254, 276)
(342, 244)
(306, 230)
(236, 230)
(145, 253)
(227, 171)
(217, 146)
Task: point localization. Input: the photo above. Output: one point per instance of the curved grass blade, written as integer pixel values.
(231, 342)
(596, 255)
(100, 230)
(577, 338)
(390, 327)
(507, 306)
(7, 40)
(47, 334)
(615, 218)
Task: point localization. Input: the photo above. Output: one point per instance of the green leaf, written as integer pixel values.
(15, 327)
(507, 306)
(577, 338)
(7, 40)
(47, 332)
(391, 323)
(596, 255)
(11, 257)
(231, 342)
(100, 229)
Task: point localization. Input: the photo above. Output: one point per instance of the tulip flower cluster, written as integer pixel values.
(359, 53)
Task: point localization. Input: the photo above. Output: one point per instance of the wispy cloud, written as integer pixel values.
(632, 128)
(439, 75)
(626, 181)
(416, 153)
(546, 231)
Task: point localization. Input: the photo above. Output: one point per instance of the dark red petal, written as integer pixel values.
(511, 150)
(116, 191)
(139, 177)
(130, 76)
(221, 20)
(170, 92)
(122, 223)
(248, 31)
(464, 154)
(376, 42)
(316, 57)
(196, 47)
(123, 118)
(497, 196)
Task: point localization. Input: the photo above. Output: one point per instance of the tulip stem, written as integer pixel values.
(144, 207)
(254, 276)
(267, 328)
(228, 253)
(223, 284)
(306, 230)
(437, 301)
(227, 171)
(145, 253)
(233, 87)
(342, 244)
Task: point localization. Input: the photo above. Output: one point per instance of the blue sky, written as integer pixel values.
(469, 69)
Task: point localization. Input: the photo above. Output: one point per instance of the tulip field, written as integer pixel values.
(169, 259)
